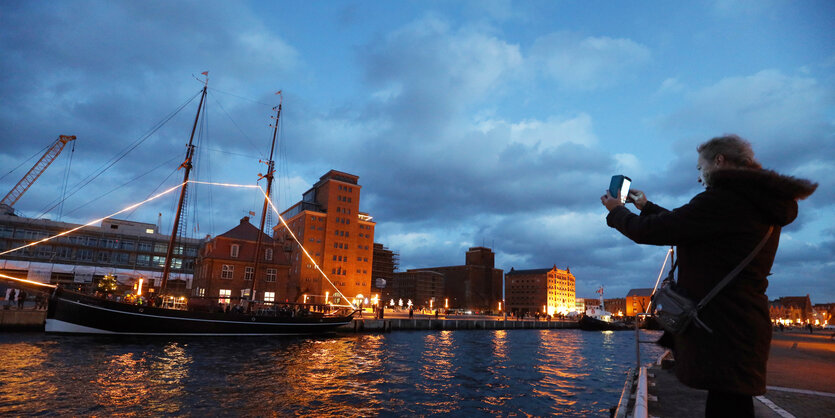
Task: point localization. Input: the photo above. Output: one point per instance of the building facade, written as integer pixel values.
(547, 291)
(226, 267)
(637, 301)
(792, 310)
(336, 235)
(124, 249)
(425, 289)
(383, 266)
(477, 285)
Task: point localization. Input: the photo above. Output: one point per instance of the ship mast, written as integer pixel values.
(269, 177)
(187, 165)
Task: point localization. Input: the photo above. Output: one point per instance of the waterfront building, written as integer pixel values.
(126, 250)
(339, 238)
(477, 285)
(791, 310)
(548, 291)
(383, 266)
(226, 267)
(424, 288)
(615, 306)
(637, 301)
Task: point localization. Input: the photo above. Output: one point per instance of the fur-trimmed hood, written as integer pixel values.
(774, 194)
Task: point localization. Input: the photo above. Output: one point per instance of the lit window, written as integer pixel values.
(149, 231)
(224, 295)
(235, 250)
(269, 296)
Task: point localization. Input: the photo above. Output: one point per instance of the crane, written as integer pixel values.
(49, 156)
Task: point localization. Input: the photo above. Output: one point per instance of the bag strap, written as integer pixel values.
(735, 271)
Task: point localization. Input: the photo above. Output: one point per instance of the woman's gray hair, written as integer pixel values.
(736, 151)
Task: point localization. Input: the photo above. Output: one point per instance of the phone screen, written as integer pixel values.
(624, 189)
(619, 187)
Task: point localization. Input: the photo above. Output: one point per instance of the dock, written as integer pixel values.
(27, 319)
(799, 383)
(426, 323)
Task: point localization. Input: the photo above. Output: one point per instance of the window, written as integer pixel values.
(201, 291)
(127, 245)
(235, 250)
(249, 273)
(224, 295)
(270, 275)
(160, 247)
(103, 257)
(268, 254)
(145, 246)
(244, 293)
(269, 296)
(143, 260)
(159, 261)
(227, 271)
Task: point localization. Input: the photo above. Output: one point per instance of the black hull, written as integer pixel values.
(588, 323)
(70, 313)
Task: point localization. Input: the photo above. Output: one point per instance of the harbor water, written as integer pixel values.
(425, 373)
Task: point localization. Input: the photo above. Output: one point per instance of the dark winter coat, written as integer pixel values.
(714, 232)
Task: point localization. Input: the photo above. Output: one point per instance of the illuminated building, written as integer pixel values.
(127, 250)
(476, 285)
(339, 237)
(225, 266)
(792, 310)
(637, 301)
(423, 288)
(546, 291)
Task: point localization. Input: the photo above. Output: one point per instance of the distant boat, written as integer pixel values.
(76, 313)
(599, 319)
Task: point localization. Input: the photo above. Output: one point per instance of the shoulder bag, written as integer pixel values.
(675, 312)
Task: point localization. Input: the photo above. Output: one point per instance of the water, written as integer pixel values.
(424, 373)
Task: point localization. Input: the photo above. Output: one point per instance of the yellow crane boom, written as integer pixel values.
(36, 171)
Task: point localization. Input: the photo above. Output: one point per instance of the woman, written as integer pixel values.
(714, 232)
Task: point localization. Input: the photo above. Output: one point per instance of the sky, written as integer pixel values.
(469, 123)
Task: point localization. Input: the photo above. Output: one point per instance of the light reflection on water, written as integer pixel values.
(486, 373)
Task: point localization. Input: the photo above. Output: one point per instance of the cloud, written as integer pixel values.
(587, 63)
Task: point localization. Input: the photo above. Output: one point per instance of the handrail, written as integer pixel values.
(640, 410)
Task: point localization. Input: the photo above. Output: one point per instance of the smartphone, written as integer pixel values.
(619, 187)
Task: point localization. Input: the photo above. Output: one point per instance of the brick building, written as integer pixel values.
(637, 301)
(791, 310)
(476, 285)
(424, 288)
(226, 266)
(549, 291)
(339, 238)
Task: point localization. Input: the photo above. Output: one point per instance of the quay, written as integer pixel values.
(457, 323)
(798, 383)
(27, 319)
(30, 319)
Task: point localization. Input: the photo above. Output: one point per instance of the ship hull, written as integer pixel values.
(80, 314)
(588, 323)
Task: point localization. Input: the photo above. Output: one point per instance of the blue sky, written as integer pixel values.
(492, 123)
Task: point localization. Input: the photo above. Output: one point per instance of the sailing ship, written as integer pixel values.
(77, 313)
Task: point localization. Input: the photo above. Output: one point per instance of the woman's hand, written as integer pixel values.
(637, 197)
(609, 201)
